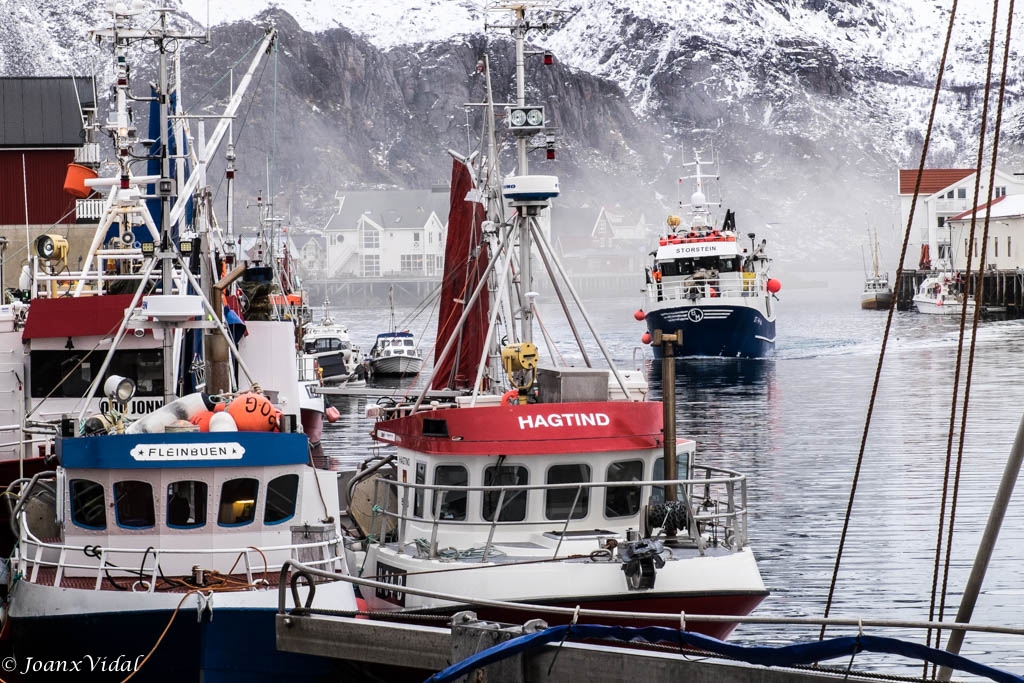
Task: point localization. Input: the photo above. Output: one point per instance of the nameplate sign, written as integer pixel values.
(165, 452)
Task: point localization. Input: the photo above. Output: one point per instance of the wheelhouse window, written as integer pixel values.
(417, 497)
(238, 501)
(623, 501)
(68, 373)
(682, 472)
(559, 502)
(513, 506)
(186, 504)
(88, 506)
(450, 504)
(282, 493)
(133, 504)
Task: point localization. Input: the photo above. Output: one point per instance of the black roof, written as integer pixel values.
(44, 111)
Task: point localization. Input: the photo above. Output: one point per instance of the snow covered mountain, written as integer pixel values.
(810, 105)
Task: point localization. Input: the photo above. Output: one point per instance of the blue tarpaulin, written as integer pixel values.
(786, 655)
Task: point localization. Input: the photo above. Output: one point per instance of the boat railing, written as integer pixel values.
(715, 509)
(45, 282)
(32, 555)
(747, 285)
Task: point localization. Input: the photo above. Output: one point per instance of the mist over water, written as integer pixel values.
(793, 424)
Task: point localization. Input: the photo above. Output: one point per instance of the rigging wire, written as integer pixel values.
(979, 295)
(889, 317)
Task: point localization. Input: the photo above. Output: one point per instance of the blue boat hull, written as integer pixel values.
(727, 331)
(238, 645)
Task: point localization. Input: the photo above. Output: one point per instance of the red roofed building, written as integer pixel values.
(942, 194)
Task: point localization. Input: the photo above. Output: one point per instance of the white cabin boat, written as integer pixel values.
(942, 294)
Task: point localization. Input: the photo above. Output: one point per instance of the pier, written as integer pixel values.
(1004, 290)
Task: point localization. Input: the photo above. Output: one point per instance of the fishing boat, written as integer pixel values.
(155, 522)
(877, 293)
(537, 483)
(705, 283)
(395, 353)
(328, 343)
(942, 294)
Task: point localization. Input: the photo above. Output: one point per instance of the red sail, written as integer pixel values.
(465, 261)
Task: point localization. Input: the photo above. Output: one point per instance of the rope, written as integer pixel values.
(979, 298)
(889, 317)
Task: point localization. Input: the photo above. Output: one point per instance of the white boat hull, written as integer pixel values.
(719, 582)
(397, 365)
(930, 306)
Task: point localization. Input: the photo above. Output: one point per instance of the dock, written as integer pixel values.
(429, 649)
(1004, 290)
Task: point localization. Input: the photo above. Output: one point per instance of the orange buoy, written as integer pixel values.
(362, 607)
(332, 414)
(639, 314)
(774, 285)
(74, 181)
(646, 338)
(253, 412)
(202, 420)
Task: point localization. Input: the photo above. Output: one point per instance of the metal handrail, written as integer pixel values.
(35, 562)
(685, 289)
(735, 510)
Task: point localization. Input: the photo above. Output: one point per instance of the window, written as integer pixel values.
(682, 472)
(976, 252)
(133, 504)
(370, 264)
(144, 366)
(417, 500)
(558, 502)
(961, 193)
(942, 221)
(282, 492)
(1000, 191)
(88, 507)
(513, 507)
(949, 195)
(1008, 246)
(371, 239)
(238, 502)
(995, 243)
(186, 504)
(623, 501)
(450, 504)
(415, 238)
(411, 263)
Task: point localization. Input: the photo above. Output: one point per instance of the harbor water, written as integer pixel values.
(793, 424)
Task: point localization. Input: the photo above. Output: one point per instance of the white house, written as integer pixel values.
(943, 194)
(387, 233)
(1005, 234)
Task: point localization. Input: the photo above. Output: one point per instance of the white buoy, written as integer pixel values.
(222, 422)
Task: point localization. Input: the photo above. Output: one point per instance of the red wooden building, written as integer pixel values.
(42, 130)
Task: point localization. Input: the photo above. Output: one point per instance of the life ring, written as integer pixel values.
(508, 395)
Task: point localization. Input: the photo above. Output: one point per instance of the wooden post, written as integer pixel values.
(668, 403)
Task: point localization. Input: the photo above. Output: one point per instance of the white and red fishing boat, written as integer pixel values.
(540, 484)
